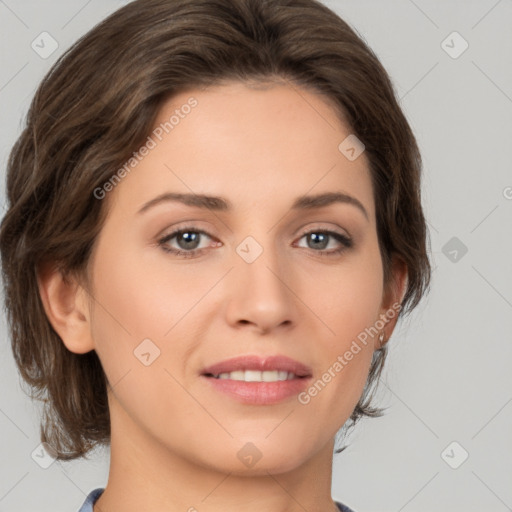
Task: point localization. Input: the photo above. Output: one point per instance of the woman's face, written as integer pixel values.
(257, 274)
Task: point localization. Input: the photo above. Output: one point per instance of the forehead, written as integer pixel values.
(251, 144)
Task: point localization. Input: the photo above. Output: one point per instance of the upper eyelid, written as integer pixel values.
(176, 230)
(192, 227)
(173, 232)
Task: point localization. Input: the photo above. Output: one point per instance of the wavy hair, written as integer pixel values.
(97, 104)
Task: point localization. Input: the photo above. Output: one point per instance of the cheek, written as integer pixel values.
(349, 308)
(141, 296)
(125, 312)
(349, 297)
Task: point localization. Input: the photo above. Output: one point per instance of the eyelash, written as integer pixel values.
(344, 240)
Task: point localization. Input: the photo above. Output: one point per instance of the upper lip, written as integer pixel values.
(261, 363)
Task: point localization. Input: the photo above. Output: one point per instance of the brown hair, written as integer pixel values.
(98, 103)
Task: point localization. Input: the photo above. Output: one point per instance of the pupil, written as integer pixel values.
(189, 239)
(317, 237)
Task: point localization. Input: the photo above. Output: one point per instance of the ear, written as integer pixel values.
(66, 306)
(392, 299)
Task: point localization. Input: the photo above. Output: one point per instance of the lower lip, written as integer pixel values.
(259, 393)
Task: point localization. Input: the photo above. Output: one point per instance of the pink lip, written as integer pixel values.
(253, 362)
(259, 393)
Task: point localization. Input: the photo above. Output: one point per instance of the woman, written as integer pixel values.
(214, 225)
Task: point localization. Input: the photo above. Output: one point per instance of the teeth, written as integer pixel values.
(256, 376)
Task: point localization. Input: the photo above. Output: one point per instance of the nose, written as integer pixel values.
(261, 294)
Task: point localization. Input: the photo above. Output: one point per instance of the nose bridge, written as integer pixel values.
(260, 292)
(263, 263)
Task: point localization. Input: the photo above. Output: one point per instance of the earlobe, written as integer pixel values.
(392, 302)
(65, 304)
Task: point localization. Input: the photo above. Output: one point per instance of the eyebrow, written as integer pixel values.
(221, 204)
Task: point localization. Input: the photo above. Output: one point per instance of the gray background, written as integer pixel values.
(448, 376)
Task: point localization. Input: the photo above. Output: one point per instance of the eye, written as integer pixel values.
(319, 240)
(188, 239)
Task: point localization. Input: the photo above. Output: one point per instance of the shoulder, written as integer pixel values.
(343, 508)
(91, 499)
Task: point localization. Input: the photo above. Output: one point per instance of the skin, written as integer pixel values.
(175, 439)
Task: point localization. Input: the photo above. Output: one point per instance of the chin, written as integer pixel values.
(256, 456)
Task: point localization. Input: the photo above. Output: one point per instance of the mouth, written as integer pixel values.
(257, 376)
(257, 380)
(255, 368)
